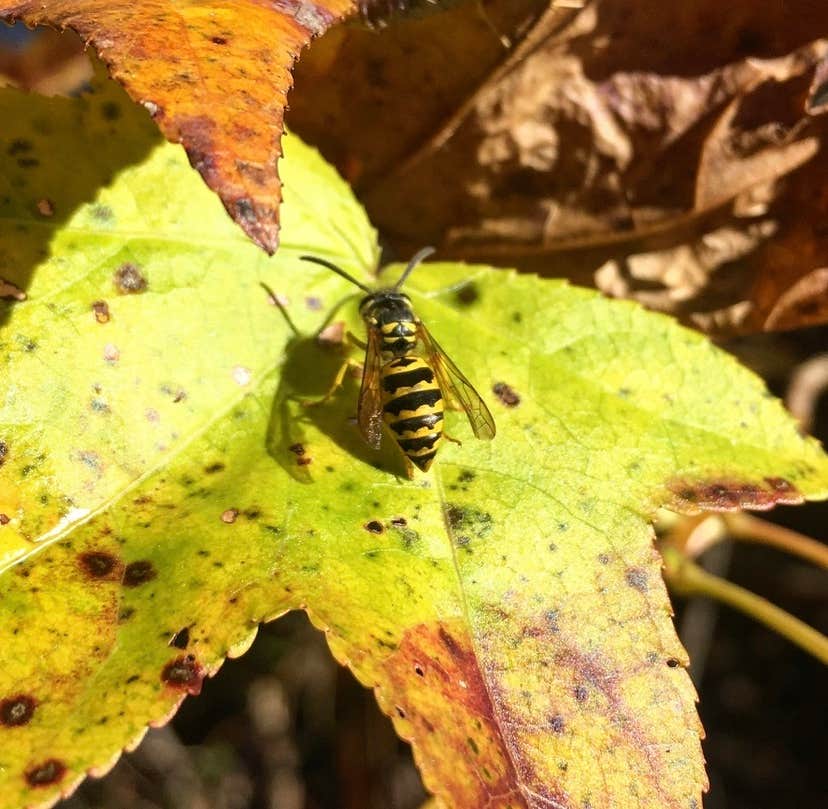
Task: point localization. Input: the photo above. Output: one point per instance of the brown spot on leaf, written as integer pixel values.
(17, 710)
(468, 294)
(212, 468)
(724, 494)
(138, 573)
(4, 519)
(637, 578)
(184, 673)
(557, 724)
(4, 451)
(374, 527)
(45, 774)
(507, 395)
(400, 522)
(45, 207)
(129, 280)
(229, 516)
(99, 565)
(101, 311)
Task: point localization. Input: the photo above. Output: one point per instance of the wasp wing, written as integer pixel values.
(459, 392)
(369, 410)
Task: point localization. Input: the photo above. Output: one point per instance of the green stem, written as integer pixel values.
(687, 578)
(751, 529)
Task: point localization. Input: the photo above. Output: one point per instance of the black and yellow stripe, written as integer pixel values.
(413, 407)
(398, 337)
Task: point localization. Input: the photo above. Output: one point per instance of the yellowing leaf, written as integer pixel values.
(165, 491)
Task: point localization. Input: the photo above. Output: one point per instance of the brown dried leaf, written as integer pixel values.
(624, 133)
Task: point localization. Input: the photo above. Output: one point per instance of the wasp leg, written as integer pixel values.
(452, 439)
(352, 338)
(337, 383)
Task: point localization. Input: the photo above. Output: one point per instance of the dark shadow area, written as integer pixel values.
(56, 154)
(309, 369)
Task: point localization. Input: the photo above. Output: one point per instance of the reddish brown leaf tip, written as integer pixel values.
(437, 683)
(184, 673)
(723, 494)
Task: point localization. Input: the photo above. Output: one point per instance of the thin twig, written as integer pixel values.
(747, 528)
(687, 578)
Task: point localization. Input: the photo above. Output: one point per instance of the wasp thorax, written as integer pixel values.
(389, 313)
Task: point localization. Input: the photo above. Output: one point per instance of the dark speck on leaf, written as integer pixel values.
(129, 280)
(4, 451)
(19, 146)
(103, 213)
(557, 724)
(126, 613)
(101, 311)
(468, 294)
(673, 663)
(184, 673)
(218, 40)
(581, 693)
(27, 162)
(212, 468)
(181, 639)
(16, 710)
(138, 573)
(507, 395)
(637, 578)
(400, 522)
(49, 772)
(4, 519)
(374, 527)
(110, 110)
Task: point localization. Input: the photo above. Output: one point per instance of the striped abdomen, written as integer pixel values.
(413, 408)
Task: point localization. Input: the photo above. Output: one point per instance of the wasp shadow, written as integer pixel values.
(309, 368)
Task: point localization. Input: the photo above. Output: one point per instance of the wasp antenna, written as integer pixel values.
(282, 308)
(338, 270)
(419, 257)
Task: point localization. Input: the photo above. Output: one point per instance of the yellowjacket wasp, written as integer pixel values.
(407, 379)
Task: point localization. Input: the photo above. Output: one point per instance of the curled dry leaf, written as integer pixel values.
(213, 75)
(614, 132)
